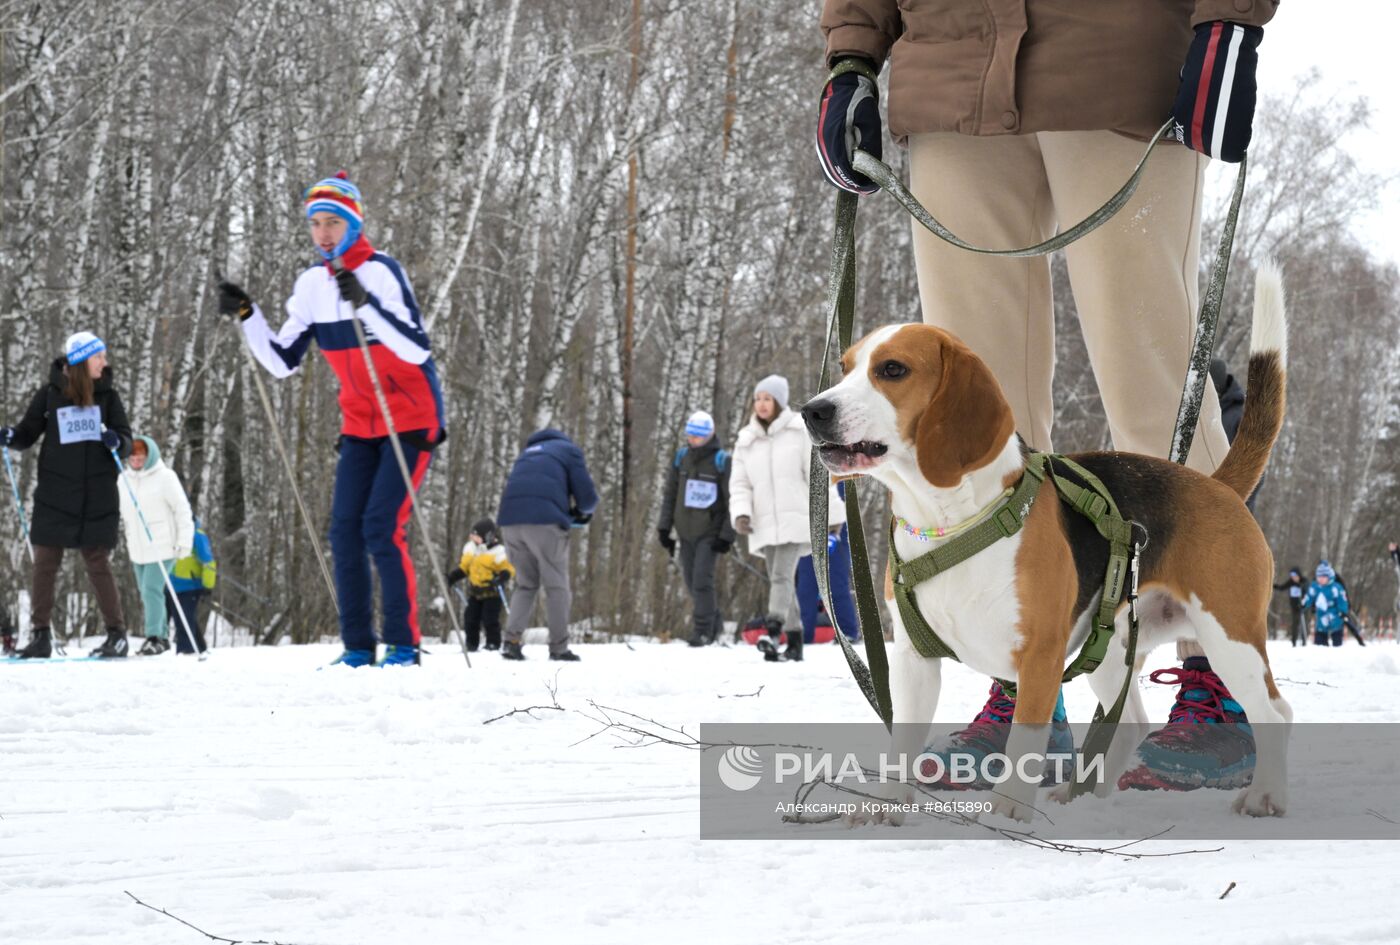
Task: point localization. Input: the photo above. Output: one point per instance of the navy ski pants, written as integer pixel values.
(369, 510)
(809, 595)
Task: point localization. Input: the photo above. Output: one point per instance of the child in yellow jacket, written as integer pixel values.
(486, 569)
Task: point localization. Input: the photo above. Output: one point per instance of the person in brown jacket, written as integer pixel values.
(1022, 117)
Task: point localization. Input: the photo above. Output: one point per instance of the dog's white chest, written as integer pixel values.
(973, 607)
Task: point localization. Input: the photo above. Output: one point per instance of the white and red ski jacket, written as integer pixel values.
(393, 327)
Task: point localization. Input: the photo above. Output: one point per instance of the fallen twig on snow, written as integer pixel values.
(1227, 890)
(743, 695)
(530, 710)
(1305, 682)
(644, 732)
(208, 935)
(1018, 836)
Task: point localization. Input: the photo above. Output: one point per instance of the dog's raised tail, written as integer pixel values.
(1264, 395)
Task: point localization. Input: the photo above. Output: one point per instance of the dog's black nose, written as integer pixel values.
(820, 417)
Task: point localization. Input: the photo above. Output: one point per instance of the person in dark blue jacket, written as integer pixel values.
(548, 493)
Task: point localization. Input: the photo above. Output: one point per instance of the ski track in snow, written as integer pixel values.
(261, 799)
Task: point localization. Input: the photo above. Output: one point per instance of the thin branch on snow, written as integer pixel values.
(1305, 682)
(742, 695)
(531, 710)
(644, 732)
(208, 935)
(1018, 836)
(1227, 890)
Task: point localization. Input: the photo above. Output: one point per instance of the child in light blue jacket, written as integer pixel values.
(1329, 600)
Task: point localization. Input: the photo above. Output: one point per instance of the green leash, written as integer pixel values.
(873, 677)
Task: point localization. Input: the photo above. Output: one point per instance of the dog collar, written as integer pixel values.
(935, 533)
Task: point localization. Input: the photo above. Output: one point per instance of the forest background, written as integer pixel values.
(611, 214)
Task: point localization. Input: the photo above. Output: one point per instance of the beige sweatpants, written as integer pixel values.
(1134, 278)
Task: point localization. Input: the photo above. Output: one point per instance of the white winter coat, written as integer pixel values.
(165, 506)
(769, 482)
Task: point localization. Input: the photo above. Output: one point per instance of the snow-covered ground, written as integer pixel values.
(261, 799)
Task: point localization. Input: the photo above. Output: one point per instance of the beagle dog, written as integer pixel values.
(919, 412)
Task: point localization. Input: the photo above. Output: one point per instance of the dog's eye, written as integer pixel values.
(893, 370)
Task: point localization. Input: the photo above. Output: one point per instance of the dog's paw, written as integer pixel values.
(1063, 793)
(1261, 800)
(898, 796)
(873, 810)
(1012, 809)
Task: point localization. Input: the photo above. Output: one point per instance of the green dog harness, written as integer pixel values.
(1092, 500)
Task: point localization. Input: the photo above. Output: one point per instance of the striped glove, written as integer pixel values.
(1214, 108)
(849, 119)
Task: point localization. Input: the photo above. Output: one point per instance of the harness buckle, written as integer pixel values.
(1007, 521)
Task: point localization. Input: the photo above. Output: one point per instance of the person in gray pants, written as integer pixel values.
(549, 492)
(696, 505)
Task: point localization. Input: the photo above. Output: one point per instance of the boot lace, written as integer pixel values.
(1200, 699)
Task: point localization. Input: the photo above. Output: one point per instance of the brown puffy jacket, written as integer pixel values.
(999, 67)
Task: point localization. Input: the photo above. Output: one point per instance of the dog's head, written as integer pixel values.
(911, 395)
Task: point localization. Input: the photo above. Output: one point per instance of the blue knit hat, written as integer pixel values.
(78, 348)
(700, 424)
(1324, 570)
(339, 196)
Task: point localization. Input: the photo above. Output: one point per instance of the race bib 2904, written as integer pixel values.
(700, 494)
(79, 424)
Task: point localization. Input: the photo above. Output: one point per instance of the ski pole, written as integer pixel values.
(256, 370)
(746, 566)
(179, 611)
(383, 403)
(19, 505)
(28, 542)
(504, 603)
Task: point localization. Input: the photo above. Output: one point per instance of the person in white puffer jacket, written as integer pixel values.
(167, 511)
(768, 501)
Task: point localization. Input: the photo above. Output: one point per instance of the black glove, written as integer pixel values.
(234, 301)
(350, 288)
(1214, 108)
(721, 546)
(455, 575)
(7, 436)
(580, 518)
(111, 440)
(667, 542)
(849, 118)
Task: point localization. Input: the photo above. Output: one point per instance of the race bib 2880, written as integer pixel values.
(79, 424)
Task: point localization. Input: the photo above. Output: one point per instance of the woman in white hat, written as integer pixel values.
(79, 417)
(768, 501)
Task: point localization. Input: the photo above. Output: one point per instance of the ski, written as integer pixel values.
(65, 659)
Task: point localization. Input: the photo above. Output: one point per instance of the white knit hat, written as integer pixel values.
(775, 386)
(700, 424)
(78, 348)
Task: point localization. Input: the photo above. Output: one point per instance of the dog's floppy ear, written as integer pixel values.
(967, 421)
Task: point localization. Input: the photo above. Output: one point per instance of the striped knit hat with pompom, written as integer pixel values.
(339, 196)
